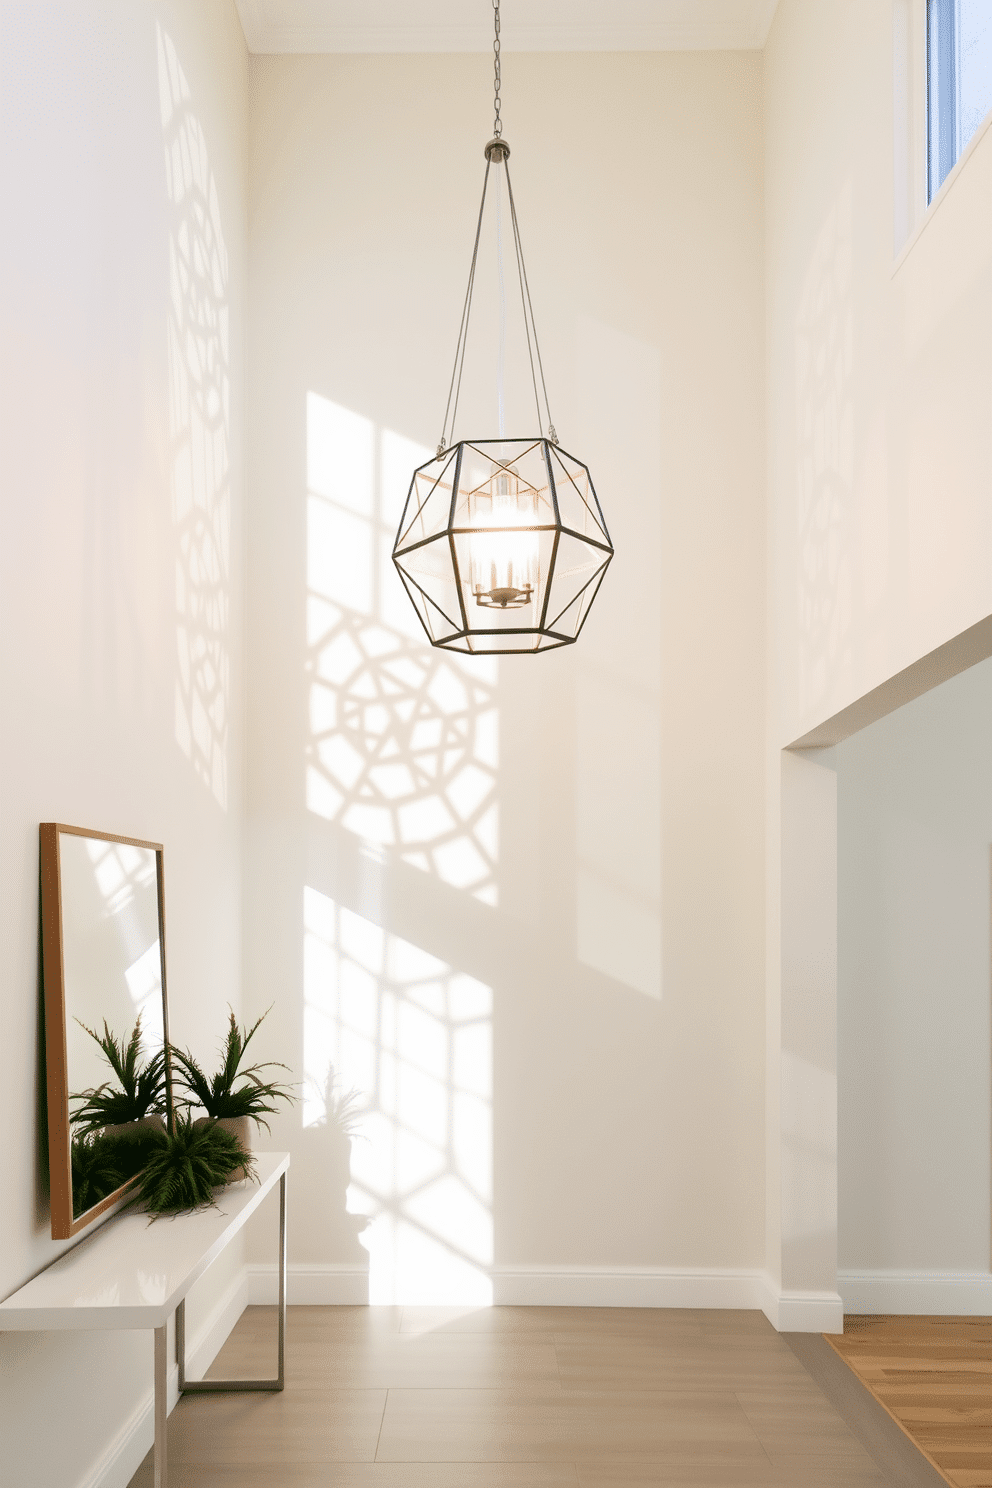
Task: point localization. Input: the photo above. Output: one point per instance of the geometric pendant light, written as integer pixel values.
(502, 544)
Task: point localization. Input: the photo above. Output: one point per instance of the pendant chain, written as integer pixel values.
(498, 122)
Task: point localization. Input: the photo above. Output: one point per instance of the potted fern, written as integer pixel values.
(138, 1101)
(236, 1094)
(186, 1165)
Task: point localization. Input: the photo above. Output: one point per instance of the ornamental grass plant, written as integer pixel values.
(140, 1089)
(220, 1095)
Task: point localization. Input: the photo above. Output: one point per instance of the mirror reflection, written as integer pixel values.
(112, 960)
(113, 1100)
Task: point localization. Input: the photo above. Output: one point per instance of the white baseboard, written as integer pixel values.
(331, 1285)
(313, 1284)
(126, 1452)
(800, 1312)
(621, 1286)
(636, 1286)
(941, 1293)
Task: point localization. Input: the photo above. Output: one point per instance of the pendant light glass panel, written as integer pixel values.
(577, 502)
(502, 546)
(427, 512)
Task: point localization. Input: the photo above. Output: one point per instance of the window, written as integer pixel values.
(959, 80)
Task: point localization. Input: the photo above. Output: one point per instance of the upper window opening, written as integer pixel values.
(959, 80)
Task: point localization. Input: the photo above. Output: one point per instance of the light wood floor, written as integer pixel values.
(508, 1397)
(934, 1376)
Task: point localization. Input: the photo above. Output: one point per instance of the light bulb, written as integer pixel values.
(504, 556)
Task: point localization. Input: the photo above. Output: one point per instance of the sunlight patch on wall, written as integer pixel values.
(414, 1038)
(403, 740)
(199, 419)
(617, 696)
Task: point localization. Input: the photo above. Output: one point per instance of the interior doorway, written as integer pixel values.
(914, 975)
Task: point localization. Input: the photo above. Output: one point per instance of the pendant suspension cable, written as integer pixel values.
(529, 315)
(455, 388)
(523, 301)
(498, 152)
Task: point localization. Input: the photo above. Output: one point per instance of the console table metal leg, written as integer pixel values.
(281, 1381)
(161, 1410)
(203, 1387)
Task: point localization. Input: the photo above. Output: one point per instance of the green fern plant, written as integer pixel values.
(220, 1095)
(97, 1170)
(140, 1090)
(184, 1167)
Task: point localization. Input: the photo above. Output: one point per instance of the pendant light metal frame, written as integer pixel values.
(435, 534)
(434, 530)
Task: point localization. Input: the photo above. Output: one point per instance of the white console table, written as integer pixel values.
(130, 1274)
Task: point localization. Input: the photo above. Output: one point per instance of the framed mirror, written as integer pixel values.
(106, 1016)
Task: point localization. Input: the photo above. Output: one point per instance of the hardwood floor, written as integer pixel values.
(934, 1377)
(507, 1397)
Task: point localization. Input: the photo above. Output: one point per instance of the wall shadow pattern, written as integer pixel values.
(402, 754)
(413, 1038)
(199, 419)
(403, 740)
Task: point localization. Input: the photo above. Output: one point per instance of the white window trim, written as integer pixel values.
(952, 176)
(909, 131)
(909, 121)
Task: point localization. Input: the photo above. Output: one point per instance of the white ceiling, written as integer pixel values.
(526, 25)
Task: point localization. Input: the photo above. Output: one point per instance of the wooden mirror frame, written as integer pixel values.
(64, 1225)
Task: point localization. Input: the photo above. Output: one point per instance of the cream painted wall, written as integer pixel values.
(914, 828)
(879, 437)
(879, 459)
(122, 556)
(545, 975)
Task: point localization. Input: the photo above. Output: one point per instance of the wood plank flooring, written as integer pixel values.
(508, 1397)
(934, 1377)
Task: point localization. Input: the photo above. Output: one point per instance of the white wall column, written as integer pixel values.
(801, 1251)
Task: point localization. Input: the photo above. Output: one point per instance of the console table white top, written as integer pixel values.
(130, 1273)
